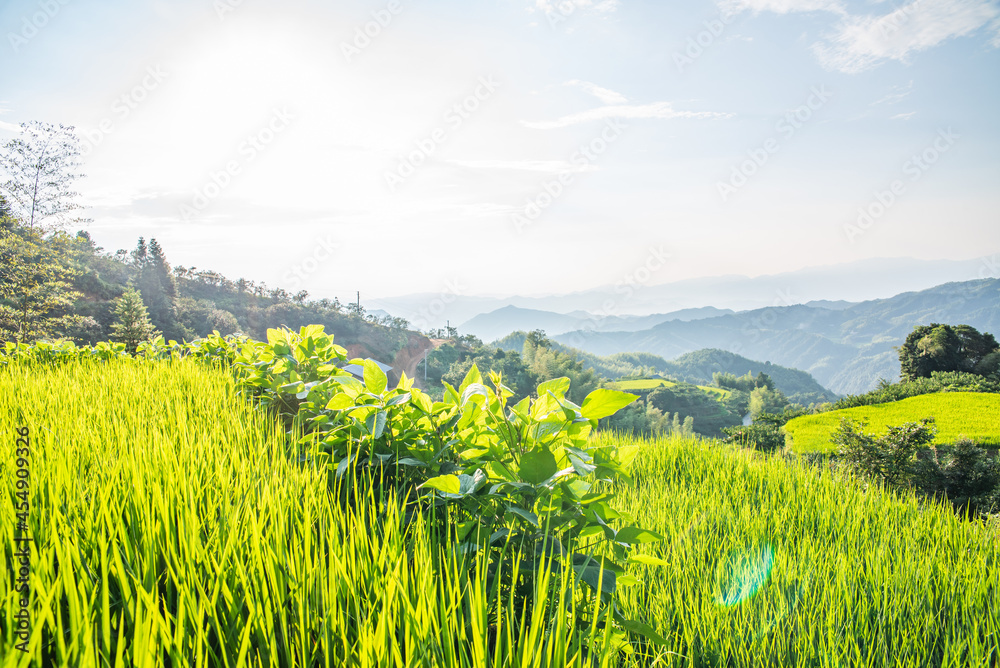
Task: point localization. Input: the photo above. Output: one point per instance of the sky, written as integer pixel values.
(519, 146)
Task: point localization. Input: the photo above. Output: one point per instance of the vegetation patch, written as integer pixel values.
(957, 414)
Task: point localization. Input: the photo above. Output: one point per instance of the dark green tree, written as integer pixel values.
(132, 325)
(36, 290)
(939, 347)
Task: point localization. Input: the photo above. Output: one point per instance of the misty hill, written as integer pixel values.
(502, 321)
(848, 283)
(695, 367)
(846, 349)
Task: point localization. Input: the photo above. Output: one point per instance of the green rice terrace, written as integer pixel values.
(956, 414)
(232, 503)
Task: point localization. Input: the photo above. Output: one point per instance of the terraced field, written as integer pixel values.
(971, 414)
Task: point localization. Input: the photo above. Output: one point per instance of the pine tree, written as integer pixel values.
(157, 287)
(132, 325)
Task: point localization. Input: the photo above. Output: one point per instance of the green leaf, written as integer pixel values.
(642, 629)
(375, 424)
(340, 402)
(647, 560)
(398, 399)
(473, 376)
(602, 402)
(375, 379)
(637, 536)
(524, 514)
(627, 580)
(557, 386)
(473, 389)
(410, 461)
(589, 570)
(537, 466)
(580, 466)
(450, 484)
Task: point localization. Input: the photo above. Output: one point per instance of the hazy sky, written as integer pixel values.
(519, 146)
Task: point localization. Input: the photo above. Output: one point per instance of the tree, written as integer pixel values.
(132, 325)
(41, 165)
(938, 347)
(36, 293)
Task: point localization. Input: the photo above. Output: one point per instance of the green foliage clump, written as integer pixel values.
(885, 459)
(939, 381)
(938, 347)
(962, 472)
(132, 325)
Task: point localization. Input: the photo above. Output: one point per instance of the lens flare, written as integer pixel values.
(743, 574)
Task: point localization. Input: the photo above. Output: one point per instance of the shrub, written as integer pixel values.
(964, 473)
(886, 459)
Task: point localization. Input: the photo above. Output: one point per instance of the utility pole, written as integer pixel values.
(359, 301)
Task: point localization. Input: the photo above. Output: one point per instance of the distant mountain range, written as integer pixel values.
(847, 349)
(497, 324)
(834, 287)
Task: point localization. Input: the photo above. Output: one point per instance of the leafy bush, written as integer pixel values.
(885, 459)
(964, 473)
(939, 381)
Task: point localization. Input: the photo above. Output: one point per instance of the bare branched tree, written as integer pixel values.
(40, 167)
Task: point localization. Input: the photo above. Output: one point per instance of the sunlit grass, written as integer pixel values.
(173, 527)
(778, 564)
(974, 415)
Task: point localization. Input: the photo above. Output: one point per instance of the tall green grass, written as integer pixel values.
(777, 564)
(974, 415)
(172, 528)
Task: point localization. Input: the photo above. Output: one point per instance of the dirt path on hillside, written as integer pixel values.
(409, 358)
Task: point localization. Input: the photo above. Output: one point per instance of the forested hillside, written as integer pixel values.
(61, 285)
(697, 367)
(845, 349)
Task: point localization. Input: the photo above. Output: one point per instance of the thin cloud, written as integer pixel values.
(903, 117)
(895, 94)
(569, 6)
(10, 127)
(546, 166)
(662, 110)
(603, 94)
(731, 7)
(862, 42)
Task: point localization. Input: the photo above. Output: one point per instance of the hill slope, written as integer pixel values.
(844, 349)
(971, 414)
(696, 368)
